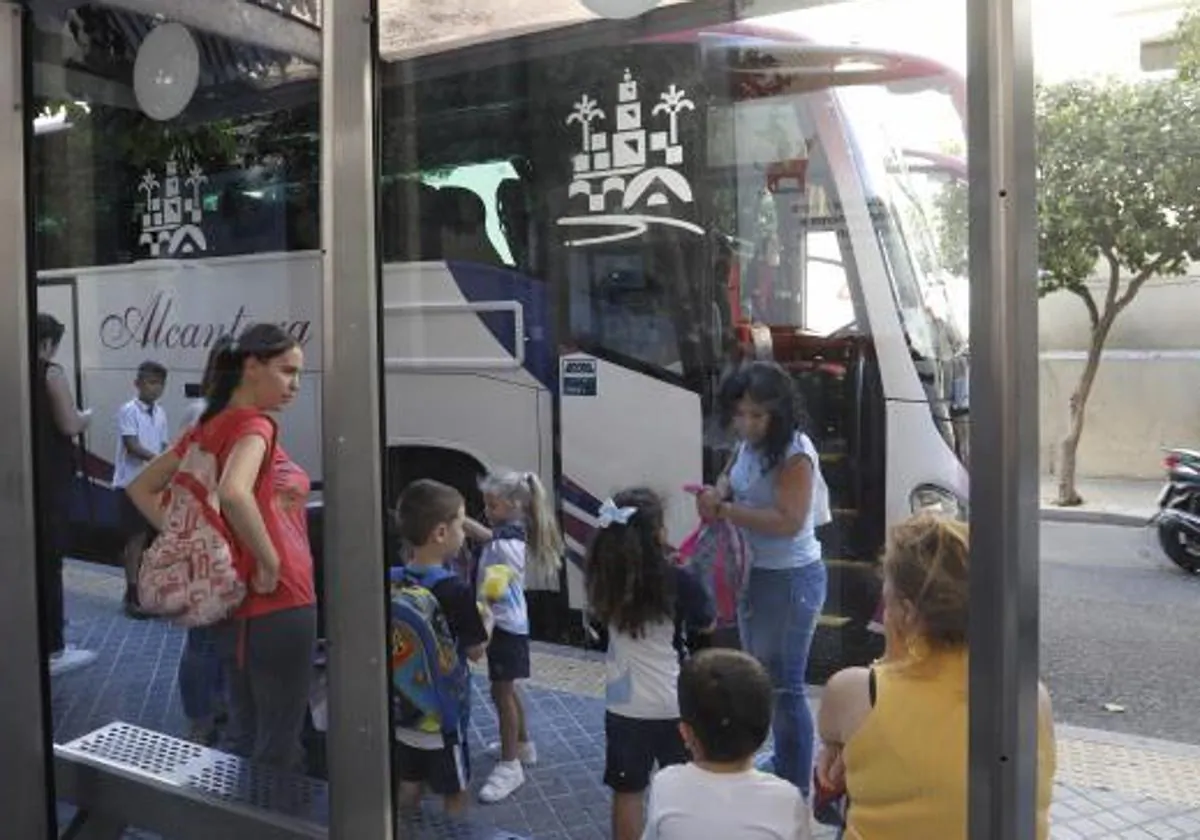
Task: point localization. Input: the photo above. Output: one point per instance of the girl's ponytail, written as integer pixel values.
(219, 346)
(225, 376)
(628, 578)
(544, 541)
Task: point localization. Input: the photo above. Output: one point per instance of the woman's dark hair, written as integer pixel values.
(725, 696)
(770, 386)
(628, 574)
(258, 341)
(49, 328)
(210, 364)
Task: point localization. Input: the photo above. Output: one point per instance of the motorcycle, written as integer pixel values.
(1178, 516)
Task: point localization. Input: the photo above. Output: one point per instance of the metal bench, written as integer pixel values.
(123, 776)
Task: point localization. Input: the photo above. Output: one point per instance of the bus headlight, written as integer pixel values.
(929, 498)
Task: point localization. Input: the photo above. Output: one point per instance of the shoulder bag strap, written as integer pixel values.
(730, 461)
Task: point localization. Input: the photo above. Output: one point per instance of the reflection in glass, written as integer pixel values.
(175, 206)
(587, 226)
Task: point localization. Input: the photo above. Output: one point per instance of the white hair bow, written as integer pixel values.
(610, 513)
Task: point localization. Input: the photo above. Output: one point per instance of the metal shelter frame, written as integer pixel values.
(1004, 579)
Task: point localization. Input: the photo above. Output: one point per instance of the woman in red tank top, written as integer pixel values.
(267, 647)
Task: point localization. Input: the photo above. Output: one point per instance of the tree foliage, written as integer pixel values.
(1118, 182)
(950, 226)
(1118, 197)
(1187, 40)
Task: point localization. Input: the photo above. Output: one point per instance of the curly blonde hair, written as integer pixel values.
(927, 565)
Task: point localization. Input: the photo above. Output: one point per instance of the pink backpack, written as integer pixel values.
(719, 556)
(192, 573)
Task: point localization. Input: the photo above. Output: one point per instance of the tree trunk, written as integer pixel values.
(1068, 496)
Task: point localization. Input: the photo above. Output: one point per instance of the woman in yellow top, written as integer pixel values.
(894, 736)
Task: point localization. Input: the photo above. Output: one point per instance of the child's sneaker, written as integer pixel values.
(70, 658)
(506, 778)
(526, 752)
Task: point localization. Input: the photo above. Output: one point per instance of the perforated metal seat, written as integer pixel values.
(123, 776)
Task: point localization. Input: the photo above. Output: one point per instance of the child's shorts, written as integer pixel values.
(446, 771)
(133, 524)
(633, 747)
(507, 656)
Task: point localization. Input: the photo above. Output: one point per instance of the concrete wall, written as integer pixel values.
(1147, 392)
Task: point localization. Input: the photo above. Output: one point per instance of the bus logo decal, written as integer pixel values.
(621, 162)
(171, 221)
(157, 324)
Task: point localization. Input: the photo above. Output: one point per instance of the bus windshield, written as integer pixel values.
(910, 151)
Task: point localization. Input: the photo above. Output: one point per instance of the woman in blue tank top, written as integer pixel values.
(774, 492)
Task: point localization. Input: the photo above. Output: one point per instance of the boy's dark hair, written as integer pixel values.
(424, 505)
(151, 370)
(49, 328)
(628, 574)
(725, 696)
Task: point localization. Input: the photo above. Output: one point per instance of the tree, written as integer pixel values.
(1118, 188)
(1187, 40)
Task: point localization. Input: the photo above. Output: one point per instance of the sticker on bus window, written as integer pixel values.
(578, 378)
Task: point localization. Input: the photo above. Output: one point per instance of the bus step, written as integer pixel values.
(832, 621)
(847, 563)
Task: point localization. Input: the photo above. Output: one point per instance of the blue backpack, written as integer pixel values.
(430, 680)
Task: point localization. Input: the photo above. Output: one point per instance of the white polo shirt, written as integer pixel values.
(149, 424)
(689, 803)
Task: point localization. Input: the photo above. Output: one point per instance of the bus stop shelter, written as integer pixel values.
(348, 40)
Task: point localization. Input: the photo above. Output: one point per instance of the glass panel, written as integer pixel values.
(1137, 372)
(588, 226)
(175, 213)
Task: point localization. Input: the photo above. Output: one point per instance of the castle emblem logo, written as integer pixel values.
(620, 176)
(172, 218)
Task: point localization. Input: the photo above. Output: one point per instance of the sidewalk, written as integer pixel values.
(1106, 501)
(1108, 785)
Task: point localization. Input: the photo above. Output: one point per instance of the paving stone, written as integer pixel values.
(1108, 785)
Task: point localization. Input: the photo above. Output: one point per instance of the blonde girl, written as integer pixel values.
(524, 541)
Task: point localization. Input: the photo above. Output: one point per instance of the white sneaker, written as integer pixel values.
(526, 752)
(69, 659)
(506, 777)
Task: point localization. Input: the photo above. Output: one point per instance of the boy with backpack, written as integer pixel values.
(436, 627)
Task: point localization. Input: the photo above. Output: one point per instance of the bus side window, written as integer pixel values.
(512, 206)
(622, 302)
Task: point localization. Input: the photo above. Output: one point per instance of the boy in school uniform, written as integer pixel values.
(142, 436)
(725, 703)
(431, 517)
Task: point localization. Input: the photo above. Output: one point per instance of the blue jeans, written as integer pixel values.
(777, 617)
(201, 675)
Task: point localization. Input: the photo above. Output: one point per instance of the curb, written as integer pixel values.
(1109, 738)
(1125, 519)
